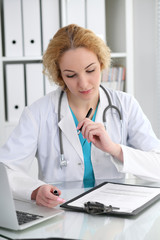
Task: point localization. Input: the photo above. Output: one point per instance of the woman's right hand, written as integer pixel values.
(96, 133)
(44, 196)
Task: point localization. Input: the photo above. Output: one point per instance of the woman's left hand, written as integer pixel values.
(44, 196)
(96, 133)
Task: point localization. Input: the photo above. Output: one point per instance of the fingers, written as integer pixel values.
(90, 129)
(45, 197)
(83, 125)
(96, 133)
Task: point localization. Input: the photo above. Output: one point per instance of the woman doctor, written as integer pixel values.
(74, 60)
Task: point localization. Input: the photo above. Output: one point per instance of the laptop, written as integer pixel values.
(17, 214)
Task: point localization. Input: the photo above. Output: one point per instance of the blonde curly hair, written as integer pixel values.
(71, 37)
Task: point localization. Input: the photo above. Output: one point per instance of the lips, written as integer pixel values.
(85, 92)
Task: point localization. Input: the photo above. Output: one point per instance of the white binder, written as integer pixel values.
(31, 27)
(96, 17)
(13, 28)
(34, 82)
(73, 11)
(50, 20)
(15, 91)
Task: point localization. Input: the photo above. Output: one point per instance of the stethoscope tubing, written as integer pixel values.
(63, 162)
(109, 105)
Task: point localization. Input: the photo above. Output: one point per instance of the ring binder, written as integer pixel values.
(13, 40)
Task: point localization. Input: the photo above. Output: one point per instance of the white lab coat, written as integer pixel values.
(37, 135)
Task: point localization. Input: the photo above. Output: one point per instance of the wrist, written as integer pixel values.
(117, 152)
(34, 194)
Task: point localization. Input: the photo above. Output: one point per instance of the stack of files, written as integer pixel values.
(34, 82)
(29, 25)
(85, 13)
(15, 91)
(73, 11)
(22, 30)
(114, 77)
(24, 84)
(13, 28)
(50, 20)
(96, 17)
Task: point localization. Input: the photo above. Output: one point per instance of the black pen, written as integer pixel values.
(55, 192)
(87, 116)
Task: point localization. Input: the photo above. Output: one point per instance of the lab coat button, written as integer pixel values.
(79, 163)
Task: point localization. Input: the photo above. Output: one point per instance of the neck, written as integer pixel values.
(80, 108)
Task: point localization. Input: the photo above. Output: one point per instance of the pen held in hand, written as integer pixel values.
(55, 192)
(87, 116)
(60, 200)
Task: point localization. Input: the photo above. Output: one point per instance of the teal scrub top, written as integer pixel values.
(88, 179)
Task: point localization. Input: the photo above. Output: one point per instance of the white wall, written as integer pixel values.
(145, 57)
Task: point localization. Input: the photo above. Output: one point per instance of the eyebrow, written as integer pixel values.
(67, 70)
(89, 65)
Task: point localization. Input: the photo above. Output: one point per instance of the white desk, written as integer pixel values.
(75, 225)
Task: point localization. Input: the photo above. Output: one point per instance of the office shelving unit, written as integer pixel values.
(117, 26)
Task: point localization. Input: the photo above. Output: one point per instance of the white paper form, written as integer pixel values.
(126, 197)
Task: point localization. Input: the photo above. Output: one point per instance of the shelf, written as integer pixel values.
(118, 55)
(21, 59)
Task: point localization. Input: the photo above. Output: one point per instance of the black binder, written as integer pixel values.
(95, 207)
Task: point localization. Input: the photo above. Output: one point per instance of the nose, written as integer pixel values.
(82, 81)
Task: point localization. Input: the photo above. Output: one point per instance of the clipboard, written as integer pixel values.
(110, 198)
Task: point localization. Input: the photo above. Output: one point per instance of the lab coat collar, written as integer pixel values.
(103, 103)
(55, 98)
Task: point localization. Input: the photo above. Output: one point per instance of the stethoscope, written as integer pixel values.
(63, 162)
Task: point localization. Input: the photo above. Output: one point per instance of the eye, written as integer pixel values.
(90, 71)
(71, 76)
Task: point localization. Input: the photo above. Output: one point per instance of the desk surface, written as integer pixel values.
(76, 225)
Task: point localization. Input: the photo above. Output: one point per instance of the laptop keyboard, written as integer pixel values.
(24, 217)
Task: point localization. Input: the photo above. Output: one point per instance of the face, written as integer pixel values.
(81, 72)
